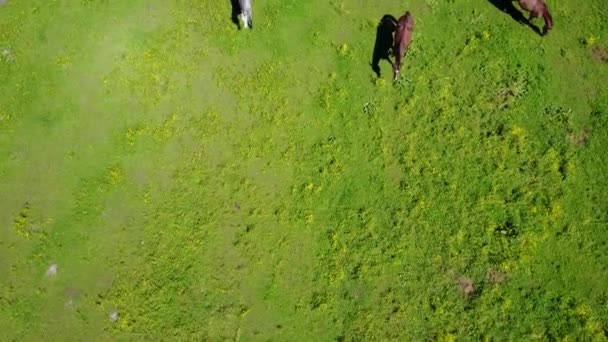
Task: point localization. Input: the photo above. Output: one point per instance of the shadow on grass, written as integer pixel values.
(236, 10)
(507, 7)
(384, 42)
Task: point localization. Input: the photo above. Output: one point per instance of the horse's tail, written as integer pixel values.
(548, 20)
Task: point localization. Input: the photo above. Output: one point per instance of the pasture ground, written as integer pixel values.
(163, 174)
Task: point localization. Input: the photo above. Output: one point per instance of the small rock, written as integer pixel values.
(466, 286)
(580, 139)
(114, 316)
(52, 270)
(601, 55)
(7, 54)
(496, 276)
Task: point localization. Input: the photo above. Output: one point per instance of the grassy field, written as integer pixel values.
(165, 175)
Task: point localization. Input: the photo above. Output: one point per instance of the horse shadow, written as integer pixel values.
(384, 42)
(236, 10)
(507, 7)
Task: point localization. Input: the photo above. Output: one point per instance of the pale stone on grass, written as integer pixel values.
(52, 270)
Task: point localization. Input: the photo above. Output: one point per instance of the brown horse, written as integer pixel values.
(403, 38)
(538, 8)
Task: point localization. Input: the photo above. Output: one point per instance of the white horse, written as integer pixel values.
(246, 13)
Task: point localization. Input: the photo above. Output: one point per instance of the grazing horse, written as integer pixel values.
(538, 8)
(246, 13)
(403, 38)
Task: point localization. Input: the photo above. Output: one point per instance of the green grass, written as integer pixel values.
(212, 184)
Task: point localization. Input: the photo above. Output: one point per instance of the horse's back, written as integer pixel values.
(403, 38)
(533, 5)
(405, 27)
(245, 4)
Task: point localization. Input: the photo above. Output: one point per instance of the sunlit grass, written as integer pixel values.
(192, 181)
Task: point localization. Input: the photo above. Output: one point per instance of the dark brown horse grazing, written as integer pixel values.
(538, 8)
(403, 38)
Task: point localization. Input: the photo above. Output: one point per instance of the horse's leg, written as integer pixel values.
(534, 14)
(396, 70)
(245, 20)
(397, 66)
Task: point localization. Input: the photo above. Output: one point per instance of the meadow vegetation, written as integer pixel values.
(165, 175)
